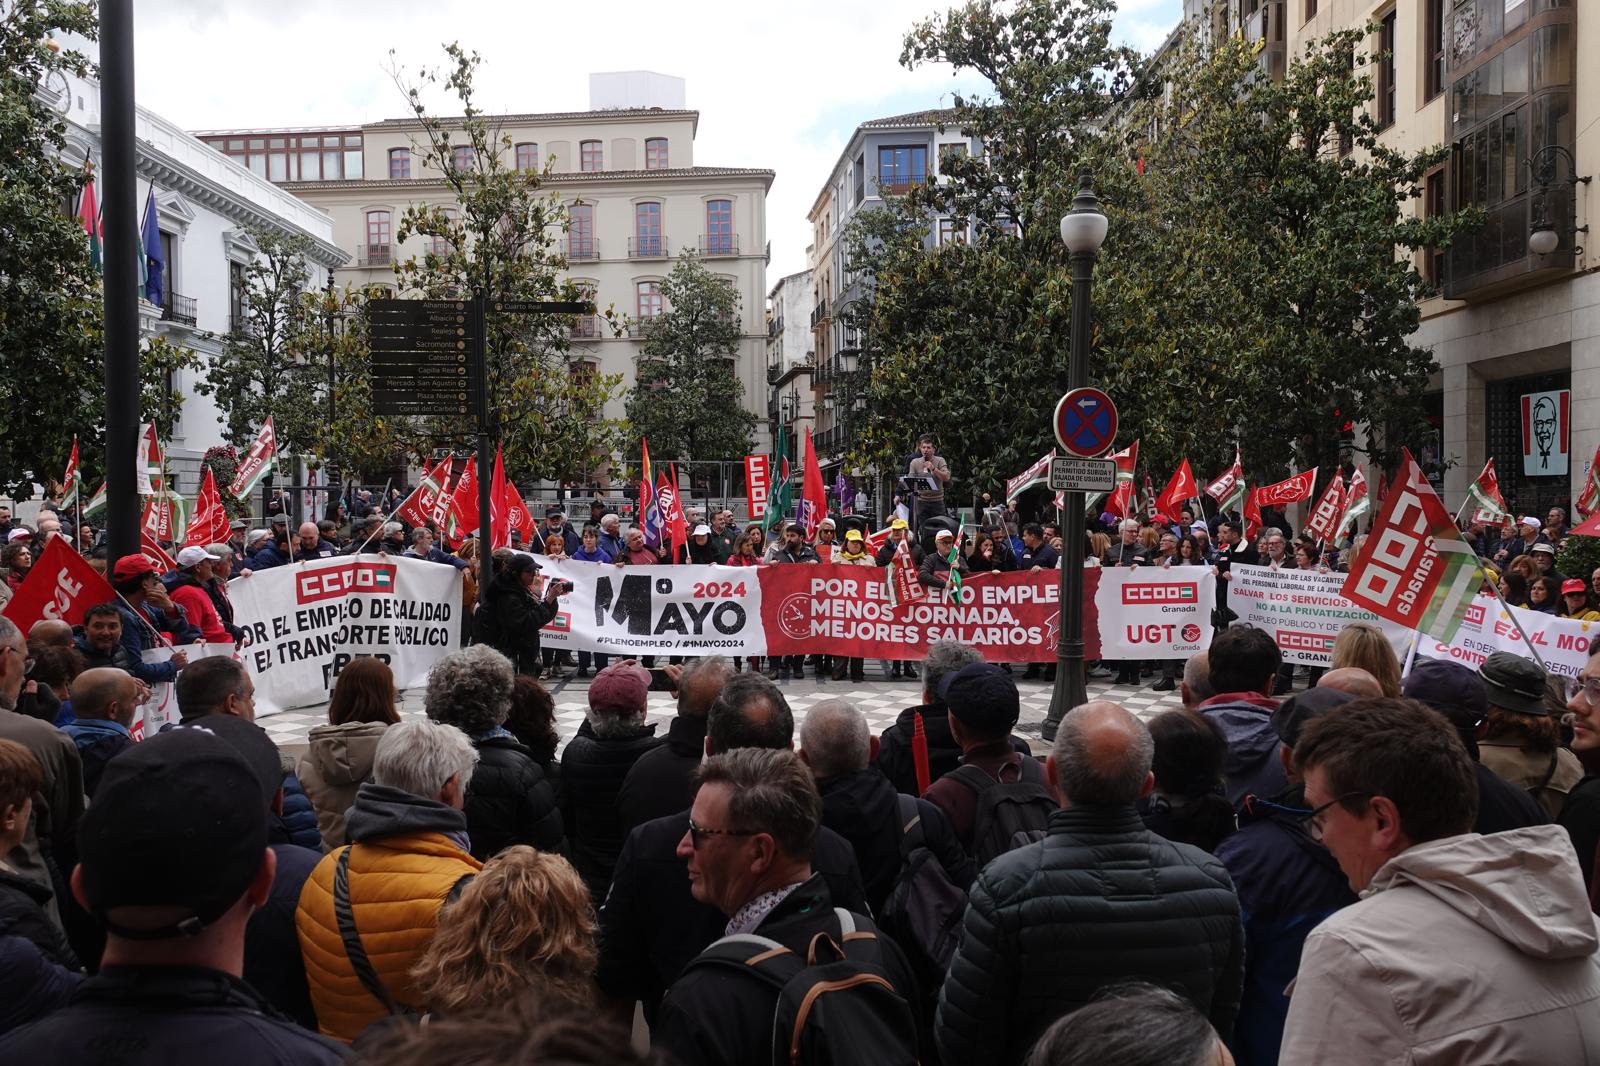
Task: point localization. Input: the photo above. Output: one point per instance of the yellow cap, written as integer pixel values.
(853, 534)
(899, 523)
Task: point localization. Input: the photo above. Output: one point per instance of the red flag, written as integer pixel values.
(1179, 491)
(1588, 500)
(877, 540)
(1121, 500)
(813, 495)
(1491, 506)
(209, 524)
(499, 516)
(1290, 490)
(152, 550)
(1324, 521)
(1252, 514)
(674, 526)
(69, 481)
(919, 754)
(420, 507)
(61, 585)
(463, 517)
(156, 521)
(521, 521)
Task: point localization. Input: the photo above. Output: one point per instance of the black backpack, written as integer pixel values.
(1006, 808)
(923, 910)
(836, 1006)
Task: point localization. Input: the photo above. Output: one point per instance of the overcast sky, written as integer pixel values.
(777, 86)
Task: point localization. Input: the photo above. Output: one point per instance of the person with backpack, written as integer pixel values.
(1099, 900)
(792, 971)
(997, 792)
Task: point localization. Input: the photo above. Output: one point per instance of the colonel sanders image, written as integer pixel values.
(1544, 428)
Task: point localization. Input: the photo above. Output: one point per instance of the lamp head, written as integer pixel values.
(1083, 229)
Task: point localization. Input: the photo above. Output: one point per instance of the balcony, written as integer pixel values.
(640, 328)
(819, 314)
(649, 246)
(180, 309)
(581, 249)
(775, 326)
(373, 255)
(248, 325)
(1265, 29)
(584, 327)
(719, 244)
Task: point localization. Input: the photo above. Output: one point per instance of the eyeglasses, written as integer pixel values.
(699, 834)
(27, 660)
(1587, 687)
(1313, 820)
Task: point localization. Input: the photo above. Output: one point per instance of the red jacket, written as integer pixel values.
(196, 602)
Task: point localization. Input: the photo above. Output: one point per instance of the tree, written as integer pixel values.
(264, 369)
(50, 318)
(687, 399)
(350, 437)
(1249, 285)
(545, 404)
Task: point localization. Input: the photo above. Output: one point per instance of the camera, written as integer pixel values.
(560, 587)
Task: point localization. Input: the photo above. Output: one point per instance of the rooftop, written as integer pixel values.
(532, 118)
(596, 177)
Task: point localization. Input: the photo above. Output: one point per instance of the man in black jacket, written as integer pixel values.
(650, 924)
(661, 781)
(860, 805)
(1099, 900)
(511, 616)
(172, 861)
(596, 763)
(748, 845)
(893, 758)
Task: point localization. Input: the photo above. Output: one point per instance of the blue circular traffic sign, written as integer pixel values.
(1085, 422)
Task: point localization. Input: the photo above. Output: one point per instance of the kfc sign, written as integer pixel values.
(372, 578)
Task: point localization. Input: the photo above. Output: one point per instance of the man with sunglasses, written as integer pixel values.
(1463, 948)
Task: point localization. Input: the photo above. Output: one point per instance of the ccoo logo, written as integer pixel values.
(1161, 592)
(333, 581)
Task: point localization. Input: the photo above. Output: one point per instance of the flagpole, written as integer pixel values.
(1523, 633)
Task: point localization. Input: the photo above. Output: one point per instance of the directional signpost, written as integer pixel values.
(1085, 423)
(1083, 475)
(427, 356)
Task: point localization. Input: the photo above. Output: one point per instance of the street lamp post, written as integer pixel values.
(1083, 230)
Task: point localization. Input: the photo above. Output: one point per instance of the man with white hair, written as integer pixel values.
(378, 898)
(1195, 688)
(862, 806)
(1127, 551)
(1101, 899)
(611, 536)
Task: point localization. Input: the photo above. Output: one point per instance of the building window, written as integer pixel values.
(462, 156)
(950, 232)
(948, 153)
(399, 163)
(443, 245)
(902, 166)
(1311, 10)
(527, 156)
(378, 233)
(580, 232)
(236, 290)
(719, 228)
(1432, 207)
(1433, 48)
(585, 326)
(861, 180)
(655, 153)
(590, 157)
(647, 239)
(649, 299)
(1386, 71)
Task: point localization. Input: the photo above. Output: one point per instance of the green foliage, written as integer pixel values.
(546, 406)
(1579, 557)
(687, 399)
(50, 318)
(1249, 285)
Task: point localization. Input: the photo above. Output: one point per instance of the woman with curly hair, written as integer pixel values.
(525, 924)
(509, 801)
(17, 558)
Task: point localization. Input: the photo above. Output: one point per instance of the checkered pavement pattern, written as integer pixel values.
(880, 700)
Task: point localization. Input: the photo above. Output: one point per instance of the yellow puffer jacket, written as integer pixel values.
(397, 886)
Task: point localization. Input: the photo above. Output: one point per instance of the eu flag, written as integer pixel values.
(155, 264)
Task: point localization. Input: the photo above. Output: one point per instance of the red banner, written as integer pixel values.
(209, 525)
(758, 483)
(1324, 520)
(61, 585)
(1290, 490)
(424, 505)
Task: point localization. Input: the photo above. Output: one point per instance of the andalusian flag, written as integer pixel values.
(97, 502)
(782, 500)
(952, 585)
(1356, 503)
(1229, 489)
(89, 216)
(69, 480)
(1488, 505)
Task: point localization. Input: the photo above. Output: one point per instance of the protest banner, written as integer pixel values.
(758, 483)
(1562, 643)
(307, 621)
(1150, 612)
(1303, 610)
(162, 706)
(61, 585)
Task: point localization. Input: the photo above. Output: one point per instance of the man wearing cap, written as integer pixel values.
(1520, 739)
(1543, 555)
(1463, 948)
(555, 522)
(1286, 881)
(310, 545)
(1514, 546)
(511, 615)
(936, 566)
(983, 707)
(172, 863)
(148, 611)
(187, 587)
(59, 803)
(236, 532)
(794, 549)
(1098, 901)
(595, 764)
(1458, 693)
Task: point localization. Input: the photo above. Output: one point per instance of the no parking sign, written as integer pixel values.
(1085, 422)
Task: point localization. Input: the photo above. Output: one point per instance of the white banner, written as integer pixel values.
(308, 620)
(1303, 611)
(1562, 643)
(162, 706)
(652, 610)
(1153, 612)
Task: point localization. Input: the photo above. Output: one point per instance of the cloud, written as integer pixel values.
(776, 87)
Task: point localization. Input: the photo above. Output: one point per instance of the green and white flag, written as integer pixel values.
(97, 502)
(782, 499)
(952, 585)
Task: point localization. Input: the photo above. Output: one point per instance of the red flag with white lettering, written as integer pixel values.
(463, 518)
(152, 550)
(209, 524)
(419, 506)
(1324, 521)
(1179, 491)
(61, 585)
(1289, 490)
